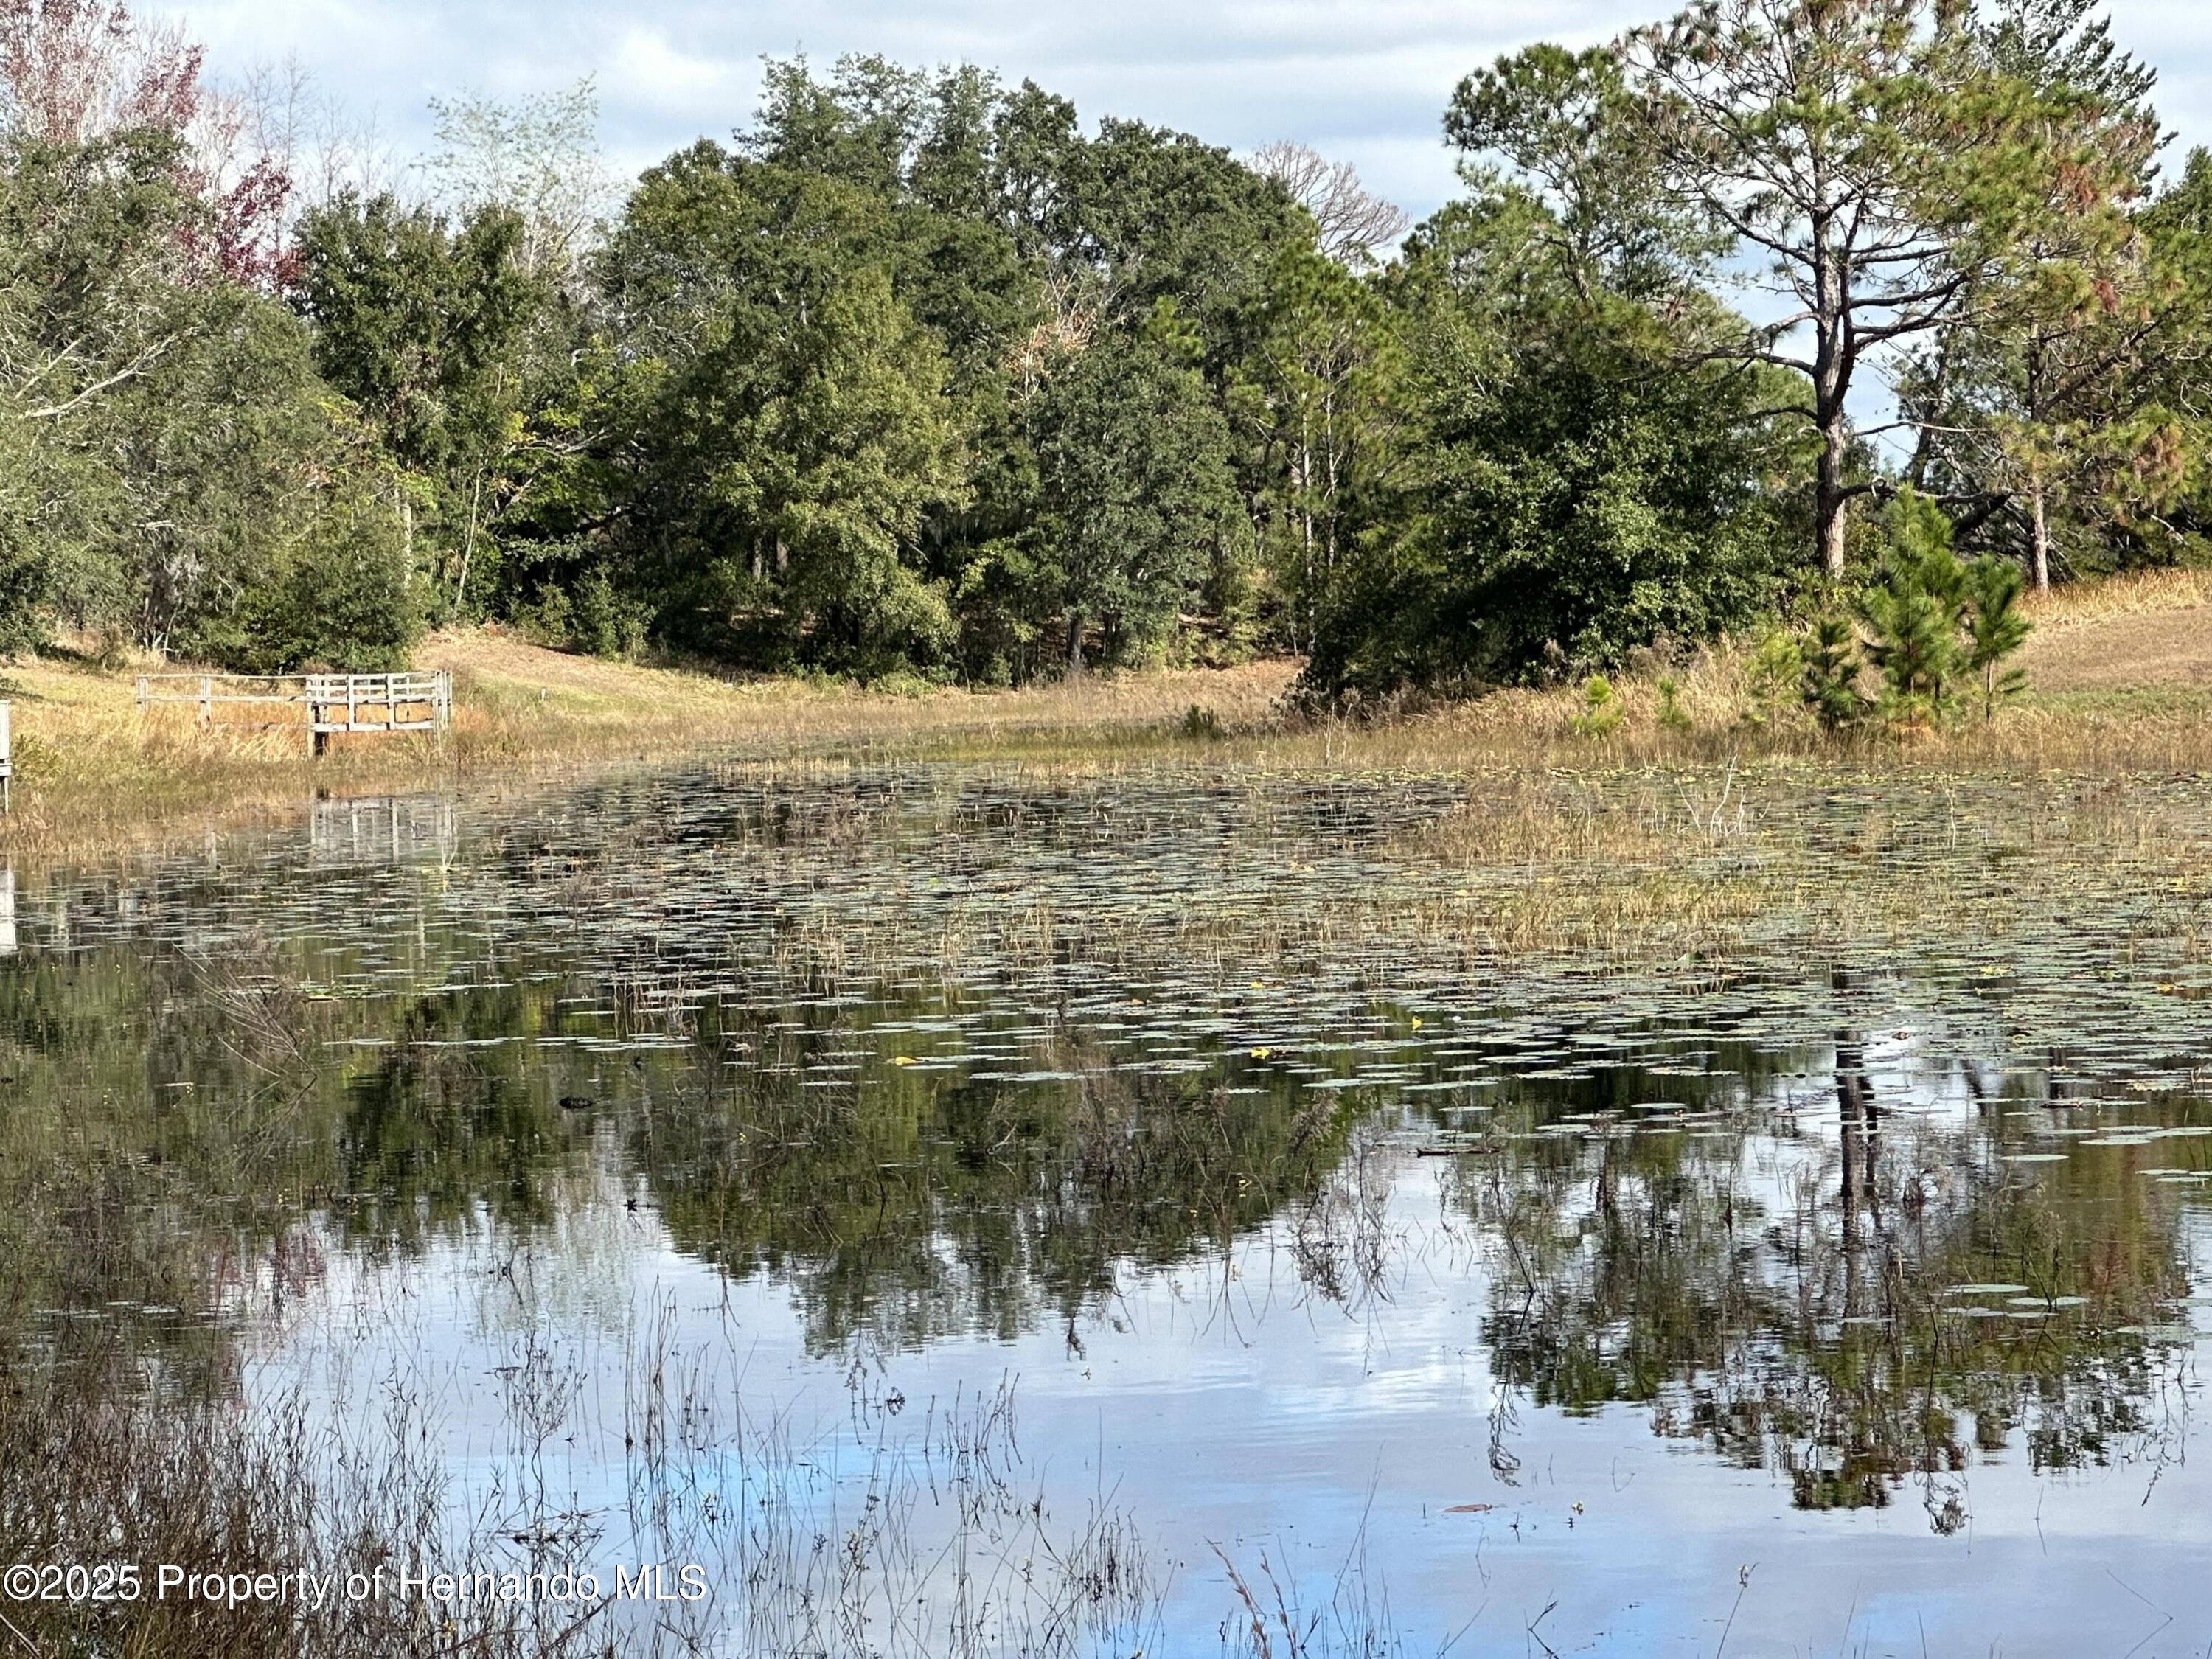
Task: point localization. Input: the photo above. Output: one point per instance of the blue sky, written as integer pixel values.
(1360, 80)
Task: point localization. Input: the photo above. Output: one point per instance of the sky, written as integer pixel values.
(1362, 81)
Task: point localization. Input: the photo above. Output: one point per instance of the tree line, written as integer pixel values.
(1748, 312)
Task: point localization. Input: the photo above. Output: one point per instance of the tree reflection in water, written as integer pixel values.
(1864, 1304)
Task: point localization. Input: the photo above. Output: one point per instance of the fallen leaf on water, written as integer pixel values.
(1470, 1509)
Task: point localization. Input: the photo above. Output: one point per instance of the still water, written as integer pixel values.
(935, 1188)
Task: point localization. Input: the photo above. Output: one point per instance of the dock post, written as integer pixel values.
(7, 763)
(140, 689)
(207, 700)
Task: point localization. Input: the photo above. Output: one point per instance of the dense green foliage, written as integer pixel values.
(1935, 633)
(1939, 626)
(175, 469)
(917, 375)
(1573, 492)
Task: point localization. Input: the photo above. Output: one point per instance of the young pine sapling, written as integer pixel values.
(1994, 630)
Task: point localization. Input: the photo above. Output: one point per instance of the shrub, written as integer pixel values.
(1994, 630)
(603, 622)
(590, 614)
(1602, 710)
(1936, 620)
(1200, 725)
(1771, 676)
(342, 598)
(1913, 611)
(1828, 674)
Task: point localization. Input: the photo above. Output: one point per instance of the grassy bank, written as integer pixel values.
(95, 774)
(2120, 675)
(2120, 679)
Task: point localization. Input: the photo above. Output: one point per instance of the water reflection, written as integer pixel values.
(922, 1070)
(1843, 1282)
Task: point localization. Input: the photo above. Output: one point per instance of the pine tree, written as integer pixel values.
(1914, 611)
(1829, 678)
(1995, 629)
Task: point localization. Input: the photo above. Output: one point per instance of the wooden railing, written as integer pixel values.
(331, 702)
(380, 702)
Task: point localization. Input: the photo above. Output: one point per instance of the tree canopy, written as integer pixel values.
(920, 373)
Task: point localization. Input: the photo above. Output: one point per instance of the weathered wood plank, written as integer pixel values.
(367, 703)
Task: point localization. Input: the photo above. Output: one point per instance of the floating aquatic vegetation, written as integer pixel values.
(1852, 1144)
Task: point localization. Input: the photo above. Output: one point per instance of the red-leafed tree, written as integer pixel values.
(74, 71)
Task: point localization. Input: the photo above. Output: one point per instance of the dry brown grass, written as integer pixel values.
(2119, 674)
(96, 775)
(1525, 817)
(2151, 590)
(2120, 671)
(516, 681)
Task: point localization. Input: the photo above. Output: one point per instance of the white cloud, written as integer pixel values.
(647, 75)
(1363, 79)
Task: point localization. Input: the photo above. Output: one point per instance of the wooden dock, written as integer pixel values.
(327, 704)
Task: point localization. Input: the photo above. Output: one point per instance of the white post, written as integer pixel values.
(207, 699)
(7, 778)
(7, 908)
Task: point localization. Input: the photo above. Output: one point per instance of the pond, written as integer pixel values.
(983, 1209)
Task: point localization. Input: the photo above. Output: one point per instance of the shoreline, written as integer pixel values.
(97, 778)
(2120, 683)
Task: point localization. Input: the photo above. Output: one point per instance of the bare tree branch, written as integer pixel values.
(1355, 225)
